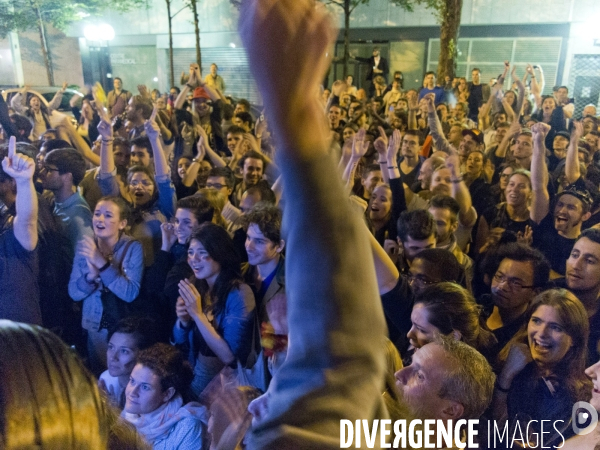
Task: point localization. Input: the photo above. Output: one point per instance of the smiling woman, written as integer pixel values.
(215, 306)
(543, 373)
(107, 270)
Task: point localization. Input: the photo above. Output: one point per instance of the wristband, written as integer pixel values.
(457, 180)
(104, 267)
(195, 160)
(382, 162)
(392, 167)
(108, 141)
(190, 86)
(500, 388)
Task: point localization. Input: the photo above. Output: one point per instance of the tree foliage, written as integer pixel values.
(21, 15)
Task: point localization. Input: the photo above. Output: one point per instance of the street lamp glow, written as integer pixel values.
(107, 33)
(102, 32)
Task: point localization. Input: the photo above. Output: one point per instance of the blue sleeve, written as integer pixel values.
(126, 284)
(108, 183)
(187, 435)
(79, 288)
(166, 197)
(237, 323)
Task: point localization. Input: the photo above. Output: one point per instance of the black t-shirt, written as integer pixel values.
(555, 247)
(397, 306)
(497, 217)
(19, 292)
(475, 100)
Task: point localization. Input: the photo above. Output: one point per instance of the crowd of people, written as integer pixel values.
(234, 277)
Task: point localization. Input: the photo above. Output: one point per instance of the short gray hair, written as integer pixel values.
(471, 382)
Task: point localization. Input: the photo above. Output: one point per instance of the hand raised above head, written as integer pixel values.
(540, 129)
(151, 127)
(17, 165)
(283, 37)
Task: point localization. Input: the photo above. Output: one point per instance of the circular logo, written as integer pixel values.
(584, 418)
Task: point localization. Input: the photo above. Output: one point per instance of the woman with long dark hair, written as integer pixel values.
(449, 309)
(544, 363)
(216, 308)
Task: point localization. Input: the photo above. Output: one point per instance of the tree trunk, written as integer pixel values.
(450, 27)
(346, 36)
(44, 44)
(197, 32)
(171, 68)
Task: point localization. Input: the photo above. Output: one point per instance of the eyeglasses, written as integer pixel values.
(217, 186)
(420, 279)
(505, 175)
(513, 283)
(141, 183)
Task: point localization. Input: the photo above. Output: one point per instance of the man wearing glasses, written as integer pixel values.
(61, 172)
(522, 273)
(223, 180)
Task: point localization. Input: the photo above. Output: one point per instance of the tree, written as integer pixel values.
(193, 5)
(447, 13)
(24, 15)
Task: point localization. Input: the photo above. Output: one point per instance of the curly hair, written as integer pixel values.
(169, 365)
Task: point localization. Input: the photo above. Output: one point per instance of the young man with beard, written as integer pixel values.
(447, 380)
(62, 171)
(555, 232)
(583, 279)
(118, 98)
(445, 211)
(138, 111)
(253, 166)
(522, 273)
(410, 161)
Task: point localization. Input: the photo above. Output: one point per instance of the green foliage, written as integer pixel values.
(21, 15)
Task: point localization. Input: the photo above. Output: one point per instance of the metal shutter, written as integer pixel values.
(489, 54)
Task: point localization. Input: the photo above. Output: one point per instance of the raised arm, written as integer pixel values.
(161, 168)
(513, 131)
(520, 95)
(20, 168)
(19, 100)
(338, 317)
(540, 201)
(435, 128)
(55, 102)
(413, 107)
(572, 170)
(536, 90)
(359, 148)
(380, 145)
(192, 82)
(460, 192)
